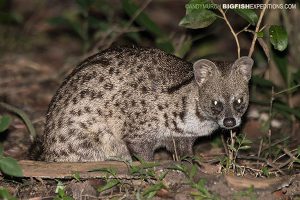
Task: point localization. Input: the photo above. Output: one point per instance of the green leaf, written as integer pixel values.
(260, 34)
(10, 167)
(198, 19)
(278, 37)
(1, 150)
(10, 18)
(265, 171)
(110, 184)
(245, 147)
(98, 24)
(4, 194)
(74, 25)
(111, 171)
(257, 80)
(247, 141)
(247, 14)
(285, 108)
(143, 20)
(193, 171)
(164, 44)
(84, 4)
(232, 148)
(296, 76)
(76, 176)
(5, 121)
(184, 48)
(152, 190)
(282, 64)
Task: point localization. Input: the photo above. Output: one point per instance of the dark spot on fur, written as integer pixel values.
(180, 85)
(59, 124)
(83, 125)
(71, 132)
(87, 78)
(151, 76)
(120, 63)
(62, 138)
(75, 100)
(144, 89)
(93, 94)
(154, 61)
(101, 79)
(99, 95)
(70, 148)
(137, 114)
(104, 62)
(174, 114)
(176, 127)
(63, 153)
(181, 115)
(83, 93)
(160, 107)
(108, 86)
(134, 85)
(166, 120)
(96, 139)
(111, 70)
(133, 103)
(99, 112)
(200, 117)
(86, 144)
(143, 102)
(87, 109)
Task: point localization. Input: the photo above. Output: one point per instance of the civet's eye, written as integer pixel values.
(217, 106)
(239, 101)
(238, 104)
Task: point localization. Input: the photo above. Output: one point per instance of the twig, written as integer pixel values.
(270, 118)
(257, 29)
(286, 90)
(260, 147)
(175, 149)
(244, 29)
(232, 31)
(225, 145)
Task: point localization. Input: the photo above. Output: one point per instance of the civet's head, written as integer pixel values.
(223, 90)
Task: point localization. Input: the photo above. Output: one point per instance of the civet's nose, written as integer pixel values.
(229, 122)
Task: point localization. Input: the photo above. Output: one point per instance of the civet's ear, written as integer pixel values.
(203, 70)
(243, 66)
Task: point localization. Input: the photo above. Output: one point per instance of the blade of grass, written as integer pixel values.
(23, 116)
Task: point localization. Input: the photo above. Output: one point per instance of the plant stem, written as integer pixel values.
(257, 28)
(286, 90)
(270, 118)
(232, 31)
